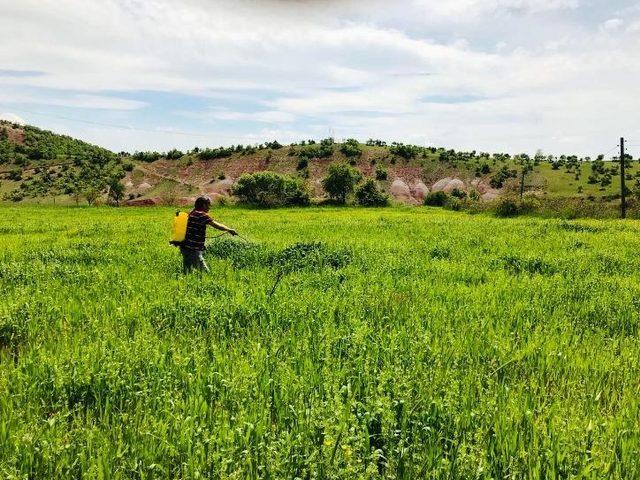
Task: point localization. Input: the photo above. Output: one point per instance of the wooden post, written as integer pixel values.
(623, 193)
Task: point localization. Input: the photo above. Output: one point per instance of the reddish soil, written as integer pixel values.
(15, 135)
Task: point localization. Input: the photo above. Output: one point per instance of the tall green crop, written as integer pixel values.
(400, 343)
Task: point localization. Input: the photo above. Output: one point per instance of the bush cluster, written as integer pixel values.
(269, 189)
(351, 148)
(340, 181)
(405, 151)
(369, 195)
(436, 199)
(147, 157)
(213, 153)
(497, 181)
(310, 150)
(381, 174)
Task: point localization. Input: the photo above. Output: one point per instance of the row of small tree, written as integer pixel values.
(269, 189)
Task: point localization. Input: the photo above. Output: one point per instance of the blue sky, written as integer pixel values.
(494, 75)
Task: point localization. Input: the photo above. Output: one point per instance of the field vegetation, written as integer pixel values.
(335, 343)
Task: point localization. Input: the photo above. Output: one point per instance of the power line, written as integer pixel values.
(614, 148)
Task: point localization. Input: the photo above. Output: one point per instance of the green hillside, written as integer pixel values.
(41, 166)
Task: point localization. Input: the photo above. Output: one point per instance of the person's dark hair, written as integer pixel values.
(202, 203)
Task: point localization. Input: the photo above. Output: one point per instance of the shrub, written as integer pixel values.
(269, 189)
(456, 192)
(146, 157)
(507, 207)
(351, 148)
(497, 181)
(174, 154)
(128, 166)
(436, 199)
(340, 181)
(303, 163)
(381, 174)
(369, 195)
(295, 192)
(211, 154)
(453, 203)
(91, 195)
(184, 162)
(529, 204)
(14, 196)
(15, 175)
(313, 150)
(20, 160)
(405, 151)
(274, 145)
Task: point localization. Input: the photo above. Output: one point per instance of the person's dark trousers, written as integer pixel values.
(192, 260)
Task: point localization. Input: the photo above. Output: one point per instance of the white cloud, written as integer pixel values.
(535, 78)
(464, 10)
(269, 116)
(98, 102)
(612, 25)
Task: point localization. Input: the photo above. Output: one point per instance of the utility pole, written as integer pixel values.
(623, 198)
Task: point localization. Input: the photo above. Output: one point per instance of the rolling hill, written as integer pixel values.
(38, 165)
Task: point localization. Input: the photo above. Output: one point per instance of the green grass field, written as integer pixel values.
(411, 343)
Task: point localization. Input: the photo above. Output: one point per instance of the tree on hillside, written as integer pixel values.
(351, 148)
(340, 181)
(270, 189)
(116, 191)
(174, 154)
(369, 195)
(91, 194)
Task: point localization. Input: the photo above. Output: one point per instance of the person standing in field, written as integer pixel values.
(193, 245)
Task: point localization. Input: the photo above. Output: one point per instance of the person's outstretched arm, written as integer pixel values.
(220, 226)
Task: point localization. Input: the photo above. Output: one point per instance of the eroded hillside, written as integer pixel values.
(40, 165)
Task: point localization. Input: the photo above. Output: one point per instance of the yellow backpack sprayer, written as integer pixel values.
(179, 230)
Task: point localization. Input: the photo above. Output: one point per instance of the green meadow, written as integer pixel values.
(335, 343)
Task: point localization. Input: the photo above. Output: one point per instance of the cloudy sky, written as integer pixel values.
(498, 75)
